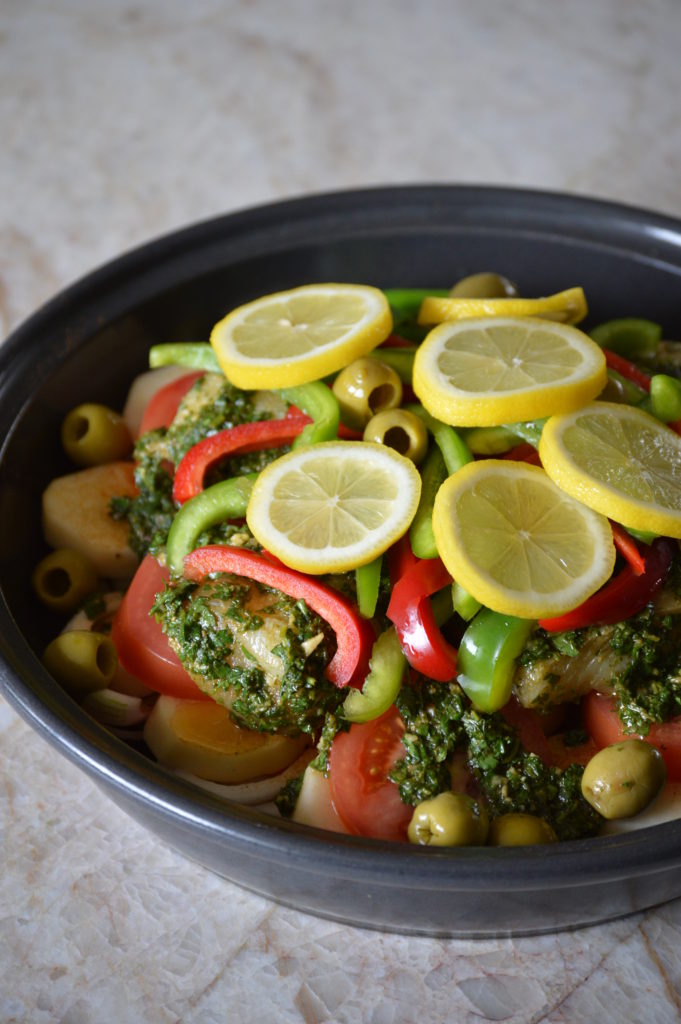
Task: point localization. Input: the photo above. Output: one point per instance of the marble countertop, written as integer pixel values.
(122, 121)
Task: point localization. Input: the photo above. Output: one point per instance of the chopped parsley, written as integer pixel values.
(515, 781)
(649, 689)
(432, 713)
(440, 720)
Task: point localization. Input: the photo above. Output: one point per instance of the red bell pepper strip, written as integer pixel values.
(400, 559)
(162, 406)
(246, 437)
(410, 611)
(625, 595)
(627, 369)
(354, 635)
(396, 341)
(524, 452)
(628, 548)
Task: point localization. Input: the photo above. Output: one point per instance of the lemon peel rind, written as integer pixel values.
(253, 373)
(567, 307)
(632, 513)
(479, 582)
(484, 409)
(321, 560)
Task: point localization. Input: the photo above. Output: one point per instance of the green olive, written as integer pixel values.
(401, 430)
(364, 388)
(483, 286)
(63, 579)
(93, 434)
(81, 660)
(520, 830)
(449, 819)
(622, 779)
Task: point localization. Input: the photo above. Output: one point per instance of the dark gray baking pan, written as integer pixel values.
(87, 344)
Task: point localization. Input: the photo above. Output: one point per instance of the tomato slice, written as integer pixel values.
(603, 724)
(142, 646)
(368, 803)
(162, 407)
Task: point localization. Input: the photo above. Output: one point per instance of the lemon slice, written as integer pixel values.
(620, 461)
(568, 307)
(294, 337)
(495, 370)
(334, 506)
(517, 543)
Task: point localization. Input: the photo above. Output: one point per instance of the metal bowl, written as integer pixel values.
(89, 342)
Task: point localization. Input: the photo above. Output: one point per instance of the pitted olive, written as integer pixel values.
(484, 286)
(401, 430)
(364, 388)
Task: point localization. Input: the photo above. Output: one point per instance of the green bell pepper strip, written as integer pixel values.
(441, 605)
(631, 392)
(197, 355)
(464, 604)
(221, 502)
(665, 397)
(401, 360)
(317, 401)
(487, 657)
(628, 336)
(368, 580)
(489, 440)
(382, 684)
(406, 302)
(433, 475)
(455, 451)
(529, 431)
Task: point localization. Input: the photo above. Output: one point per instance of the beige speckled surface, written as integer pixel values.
(121, 121)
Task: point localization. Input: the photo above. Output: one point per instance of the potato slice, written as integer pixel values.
(200, 737)
(76, 515)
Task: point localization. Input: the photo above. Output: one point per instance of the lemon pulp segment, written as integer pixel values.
(334, 506)
(300, 335)
(518, 543)
(491, 371)
(620, 461)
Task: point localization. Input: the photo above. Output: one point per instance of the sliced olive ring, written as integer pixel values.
(93, 434)
(401, 430)
(365, 387)
(63, 579)
(81, 660)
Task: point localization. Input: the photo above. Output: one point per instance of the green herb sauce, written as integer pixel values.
(440, 720)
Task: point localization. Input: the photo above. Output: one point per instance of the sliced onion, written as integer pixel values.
(252, 793)
(142, 390)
